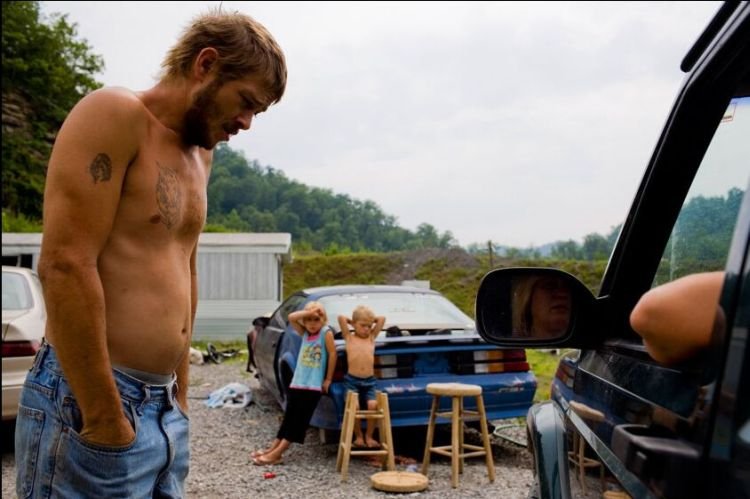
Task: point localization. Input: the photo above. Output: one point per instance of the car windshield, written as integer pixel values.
(421, 310)
(15, 292)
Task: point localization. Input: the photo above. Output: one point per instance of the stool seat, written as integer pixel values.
(454, 389)
(458, 450)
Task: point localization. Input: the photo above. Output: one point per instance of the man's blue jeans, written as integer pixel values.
(52, 460)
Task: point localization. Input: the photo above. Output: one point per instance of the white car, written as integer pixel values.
(24, 319)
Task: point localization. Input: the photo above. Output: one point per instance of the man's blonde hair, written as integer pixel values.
(363, 313)
(244, 45)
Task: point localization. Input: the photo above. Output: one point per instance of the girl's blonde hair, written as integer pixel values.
(313, 304)
(522, 291)
(244, 45)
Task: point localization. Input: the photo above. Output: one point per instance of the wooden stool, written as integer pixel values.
(577, 456)
(456, 451)
(352, 417)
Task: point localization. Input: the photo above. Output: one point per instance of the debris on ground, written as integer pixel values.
(232, 395)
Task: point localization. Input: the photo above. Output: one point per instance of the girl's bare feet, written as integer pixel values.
(267, 461)
(258, 453)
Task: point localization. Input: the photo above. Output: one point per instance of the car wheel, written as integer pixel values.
(477, 425)
(329, 436)
(286, 375)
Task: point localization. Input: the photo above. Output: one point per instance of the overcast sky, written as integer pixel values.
(520, 123)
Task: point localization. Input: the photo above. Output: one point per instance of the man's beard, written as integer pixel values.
(198, 117)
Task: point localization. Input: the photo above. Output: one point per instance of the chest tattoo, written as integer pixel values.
(101, 168)
(168, 196)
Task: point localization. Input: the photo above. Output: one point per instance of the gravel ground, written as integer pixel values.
(221, 441)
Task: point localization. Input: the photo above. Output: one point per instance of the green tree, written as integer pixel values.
(266, 200)
(46, 70)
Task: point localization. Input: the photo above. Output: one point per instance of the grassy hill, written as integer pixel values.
(454, 272)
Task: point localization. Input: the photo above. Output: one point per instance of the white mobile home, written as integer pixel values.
(240, 277)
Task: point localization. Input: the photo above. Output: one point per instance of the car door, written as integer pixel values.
(269, 340)
(668, 431)
(677, 431)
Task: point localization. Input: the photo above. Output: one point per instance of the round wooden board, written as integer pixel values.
(398, 481)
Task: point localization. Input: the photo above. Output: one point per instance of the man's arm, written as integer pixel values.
(86, 171)
(676, 319)
(183, 369)
(331, 348)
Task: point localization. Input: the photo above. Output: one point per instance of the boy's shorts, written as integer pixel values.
(365, 387)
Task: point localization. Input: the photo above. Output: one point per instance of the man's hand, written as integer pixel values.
(326, 385)
(182, 401)
(114, 433)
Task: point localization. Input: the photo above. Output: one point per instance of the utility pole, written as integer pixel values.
(489, 249)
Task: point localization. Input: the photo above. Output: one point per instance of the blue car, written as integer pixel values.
(426, 339)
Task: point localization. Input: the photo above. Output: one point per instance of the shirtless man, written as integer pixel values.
(360, 359)
(124, 204)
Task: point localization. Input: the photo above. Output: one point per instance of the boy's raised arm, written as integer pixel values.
(344, 326)
(377, 326)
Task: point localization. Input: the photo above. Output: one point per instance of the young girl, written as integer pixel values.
(312, 377)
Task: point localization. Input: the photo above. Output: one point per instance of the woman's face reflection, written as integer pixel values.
(550, 307)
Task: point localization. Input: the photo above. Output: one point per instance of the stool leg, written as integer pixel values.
(582, 462)
(486, 438)
(344, 431)
(430, 434)
(455, 430)
(461, 435)
(385, 430)
(347, 443)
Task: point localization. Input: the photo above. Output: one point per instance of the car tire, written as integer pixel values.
(285, 375)
(329, 436)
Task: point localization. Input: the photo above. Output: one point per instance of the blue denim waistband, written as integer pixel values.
(128, 386)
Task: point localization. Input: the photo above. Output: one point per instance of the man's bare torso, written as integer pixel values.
(145, 265)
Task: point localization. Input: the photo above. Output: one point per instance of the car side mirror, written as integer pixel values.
(531, 307)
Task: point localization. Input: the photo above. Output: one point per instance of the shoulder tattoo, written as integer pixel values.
(101, 168)
(168, 196)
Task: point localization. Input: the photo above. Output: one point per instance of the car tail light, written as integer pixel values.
(566, 374)
(394, 366)
(489, 361)
(20, 348)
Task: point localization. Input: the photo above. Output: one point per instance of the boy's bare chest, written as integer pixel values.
(360, 346)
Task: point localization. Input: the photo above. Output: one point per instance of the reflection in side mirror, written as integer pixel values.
(527, 306)
(541, 306)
